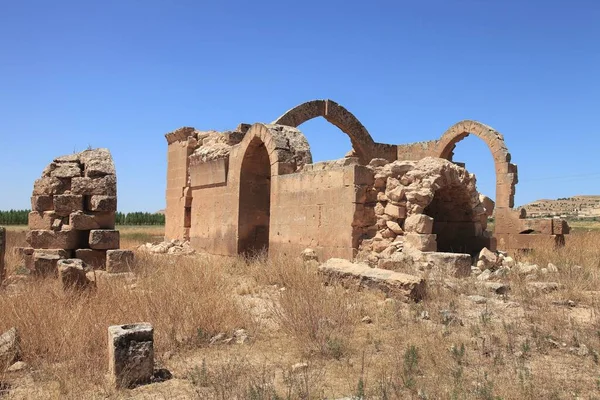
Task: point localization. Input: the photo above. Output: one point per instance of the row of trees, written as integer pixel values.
(19, 217)
(140, 218)
(14, 217)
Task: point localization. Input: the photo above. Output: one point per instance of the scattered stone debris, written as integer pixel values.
(477, 299)
(18, 366)
(544, 287)
(299, 367)
(175, 247)
(366, 320)
(239, 336)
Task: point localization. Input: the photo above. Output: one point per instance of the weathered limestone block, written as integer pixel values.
(130, 354)
(97, 163)
(42, 203)
(10, 348)
(50, 186)
(419, 223)
(102, 203)
(397, 262)
(106, 185)
(104, 239)
(119, 260)
(42, 220)
(44, 264)
(85, 222)
(65, 204)
(448, 264)
(420, 242)
(2, 252)
(66, 170)
(395, 284)
(487, 259)
(95, 259)
(395, 211)
(394, 227)
(46, 239)
(71, 273)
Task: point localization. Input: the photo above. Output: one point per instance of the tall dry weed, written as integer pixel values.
(65, 334)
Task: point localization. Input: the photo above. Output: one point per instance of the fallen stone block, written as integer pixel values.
(95, 259)
(130, 354)
(104, 239)
(487, 259)
(119, 260)
(72, 274)
(10, 348)
(448, 264)
(397, 262)
(394, 284)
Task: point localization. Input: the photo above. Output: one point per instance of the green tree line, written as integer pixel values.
(19, 217)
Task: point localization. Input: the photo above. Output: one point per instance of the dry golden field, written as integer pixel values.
(307, 340)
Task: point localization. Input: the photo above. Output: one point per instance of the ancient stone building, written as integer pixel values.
(256, 188)
(73, 215)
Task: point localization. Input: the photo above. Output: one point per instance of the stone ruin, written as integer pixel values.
(255, 188)
(73, 217)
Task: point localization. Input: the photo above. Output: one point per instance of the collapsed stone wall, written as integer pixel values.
(420, 206)
(73, 215)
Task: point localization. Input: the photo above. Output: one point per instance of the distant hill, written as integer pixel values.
(160, 212)
(571, 207)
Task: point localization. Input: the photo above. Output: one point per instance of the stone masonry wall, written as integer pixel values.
(317, 208)
(73, 215)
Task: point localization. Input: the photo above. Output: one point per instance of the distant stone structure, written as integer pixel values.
(73, 215)
(256, 188)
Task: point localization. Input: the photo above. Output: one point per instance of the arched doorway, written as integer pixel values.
(255, 199)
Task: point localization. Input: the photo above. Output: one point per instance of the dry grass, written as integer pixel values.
(520, 346)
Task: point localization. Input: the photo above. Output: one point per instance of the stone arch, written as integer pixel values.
(506, 173)
(266, 151)
(442, 199)
(362, 142)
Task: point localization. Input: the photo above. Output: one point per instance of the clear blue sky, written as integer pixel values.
(120, 74)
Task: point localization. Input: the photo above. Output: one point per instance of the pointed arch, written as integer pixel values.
(362, 142)
(506, 172)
